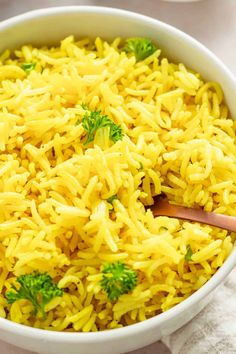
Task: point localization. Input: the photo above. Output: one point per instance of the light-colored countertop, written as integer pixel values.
(213, 22)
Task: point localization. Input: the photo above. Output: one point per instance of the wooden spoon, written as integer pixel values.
(162, 207)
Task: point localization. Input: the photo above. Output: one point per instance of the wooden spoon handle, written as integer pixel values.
(163, 208)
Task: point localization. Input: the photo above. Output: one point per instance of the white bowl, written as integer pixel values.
(48, 26)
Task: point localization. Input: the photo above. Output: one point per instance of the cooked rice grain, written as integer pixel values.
(54, 216)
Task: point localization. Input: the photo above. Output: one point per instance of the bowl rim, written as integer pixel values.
(211, 284)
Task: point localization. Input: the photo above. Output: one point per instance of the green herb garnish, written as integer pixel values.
(141, 166)
(118, 279)
(28, 67)
(189, 253)
(36, 287)
(140, 47)
(112, 198)
(85, 106)
(94, 120)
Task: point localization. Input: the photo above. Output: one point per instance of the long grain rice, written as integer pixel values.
(54, 214)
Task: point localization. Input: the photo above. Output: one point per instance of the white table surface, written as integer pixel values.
(213, 22)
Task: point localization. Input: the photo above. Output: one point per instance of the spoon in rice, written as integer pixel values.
(162, 207)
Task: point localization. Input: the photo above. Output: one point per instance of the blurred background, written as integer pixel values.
(212, 22)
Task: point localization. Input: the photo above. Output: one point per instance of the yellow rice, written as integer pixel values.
(54, 216)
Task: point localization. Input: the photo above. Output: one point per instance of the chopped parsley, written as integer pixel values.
(118, 279)
(28, 67)
(140, 47)
(189, 253)
(36, 287)
(85, 106)
(141, 166)
(94, 120)
(112, 198)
